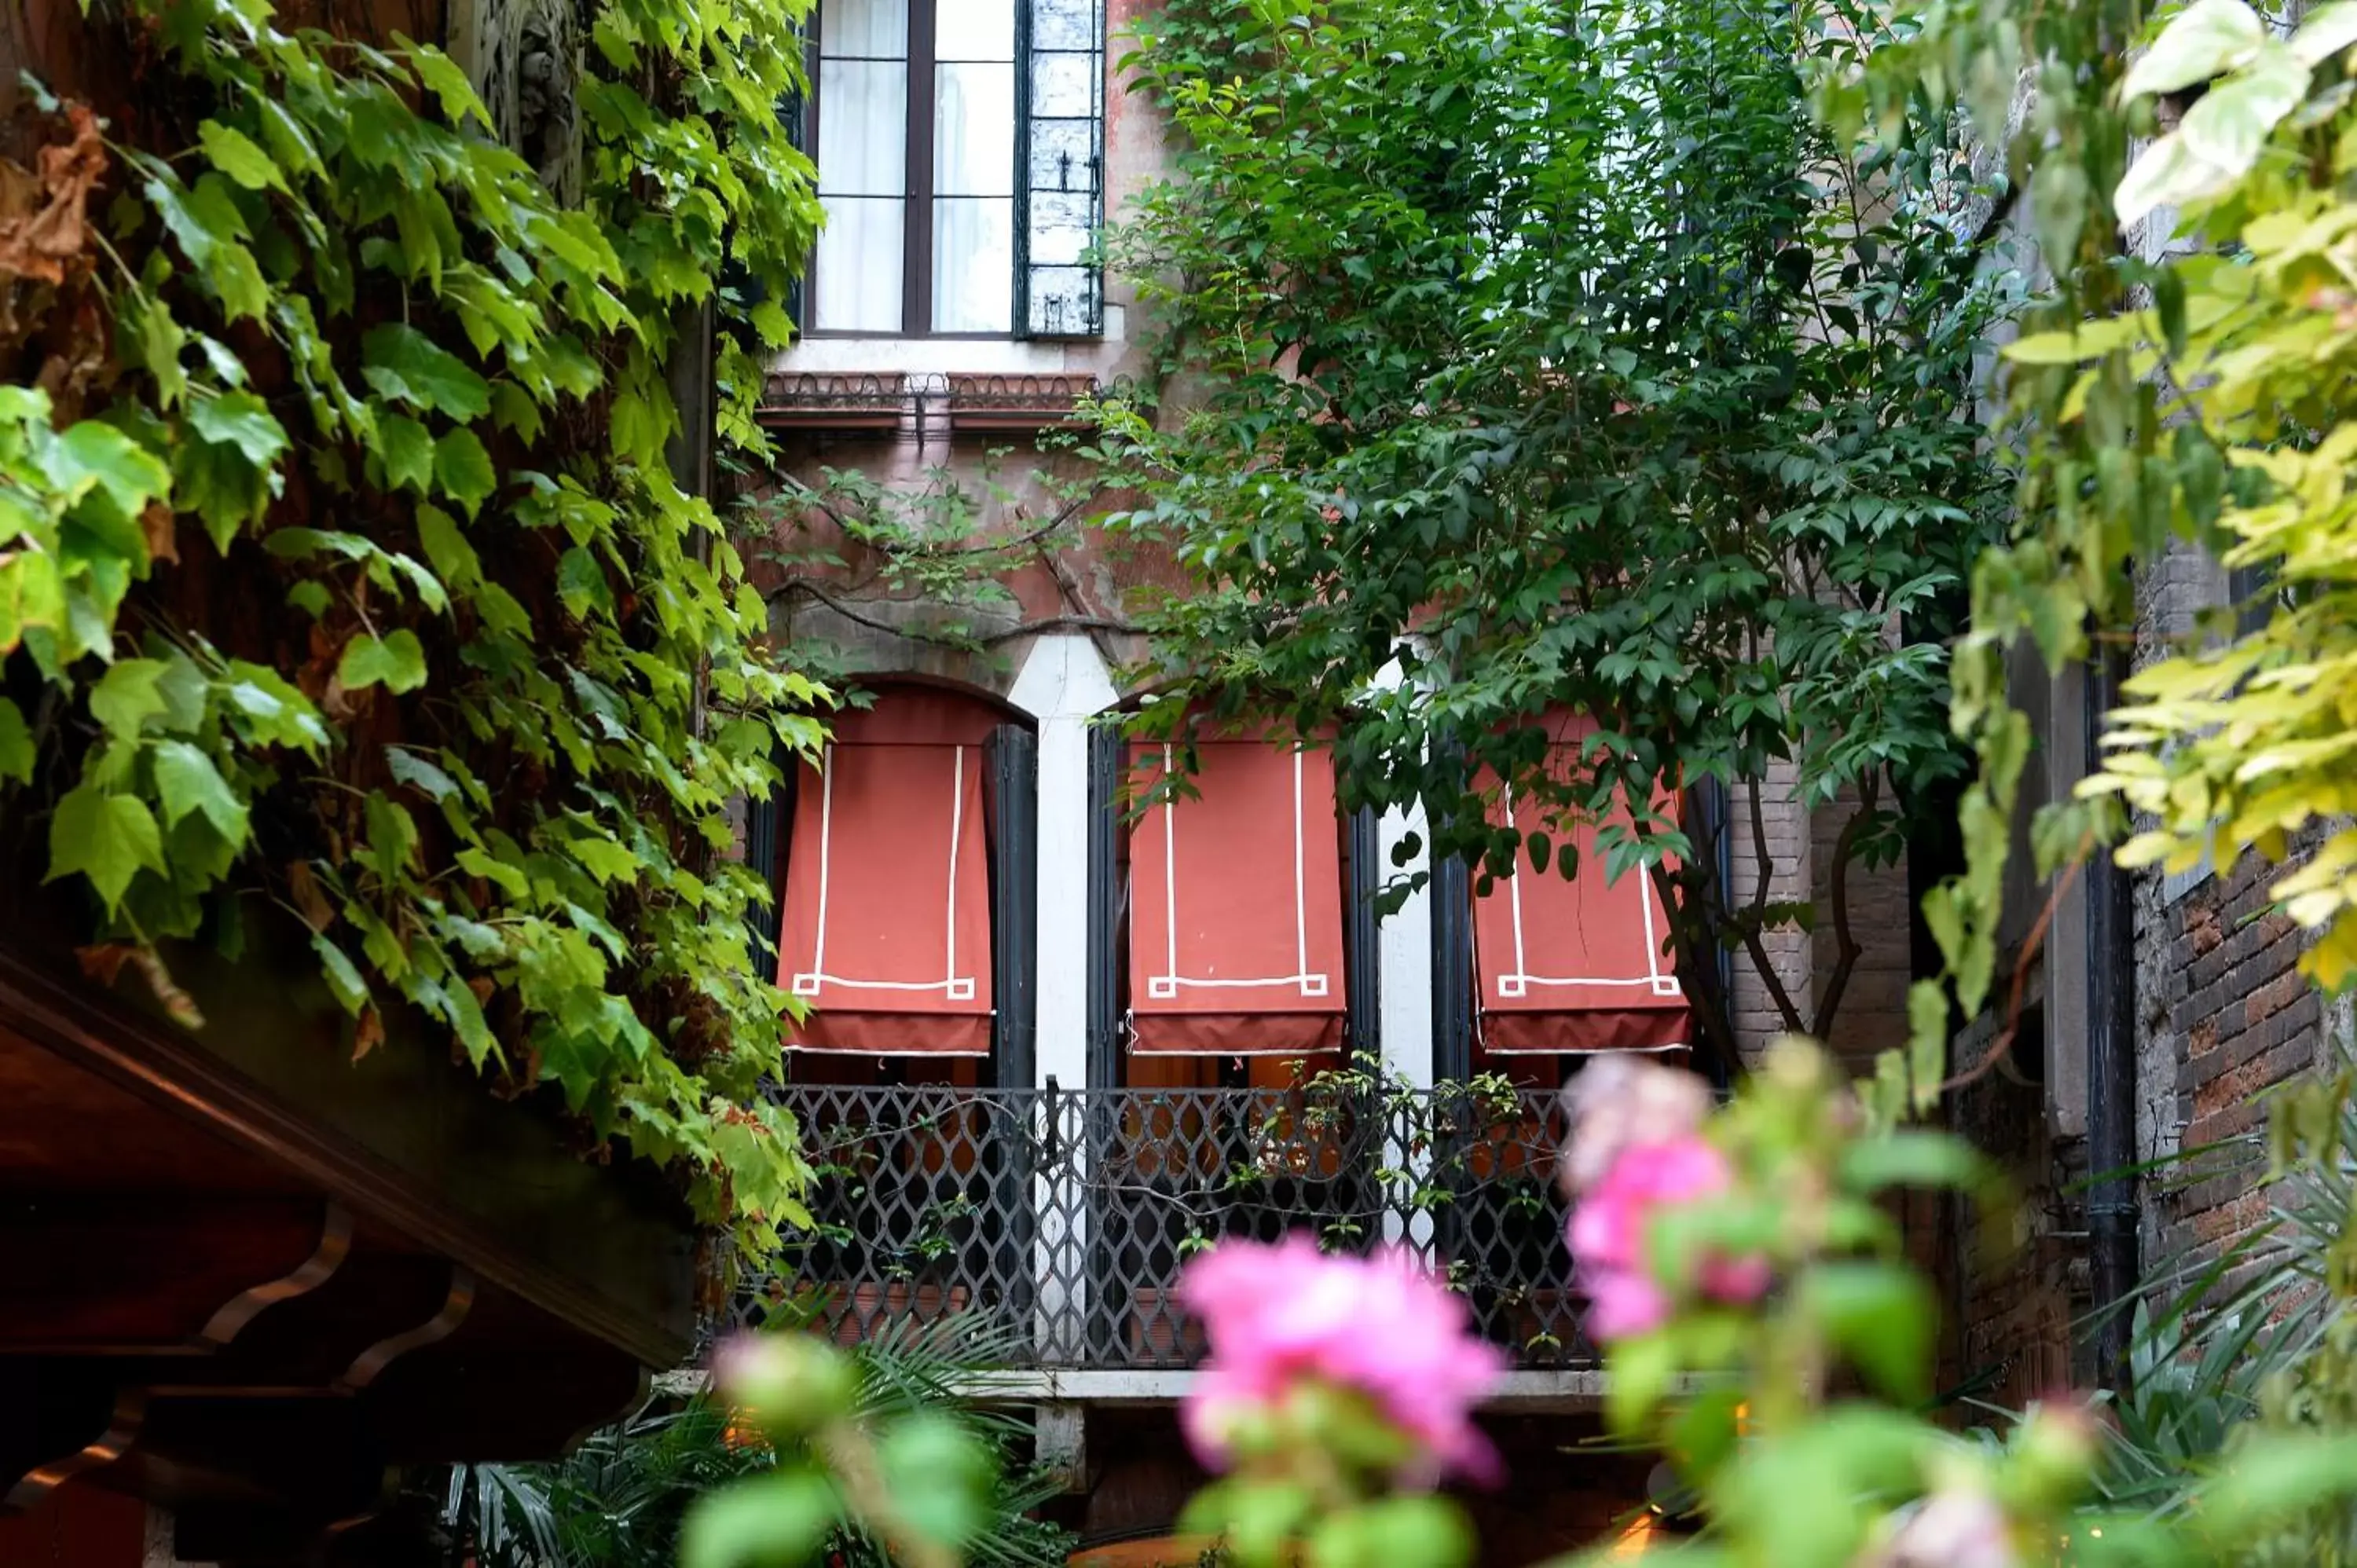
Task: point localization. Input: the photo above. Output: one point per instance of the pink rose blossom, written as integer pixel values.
(1606, 1235)
(1277, 1316)
(1619, 1101)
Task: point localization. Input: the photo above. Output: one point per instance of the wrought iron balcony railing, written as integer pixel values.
(1065, 1216)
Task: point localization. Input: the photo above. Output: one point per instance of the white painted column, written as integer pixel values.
(1403, 942)
(1062, 684)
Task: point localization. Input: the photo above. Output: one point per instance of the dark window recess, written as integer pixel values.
(1060, 170)
(2253, 593)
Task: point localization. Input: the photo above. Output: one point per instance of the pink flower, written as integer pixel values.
(1619, 1101)
(1606, 1235)
(1948, 1529)
(1280, 1315)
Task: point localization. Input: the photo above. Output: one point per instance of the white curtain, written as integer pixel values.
(863, 163)
(874, 27)
(973, 167)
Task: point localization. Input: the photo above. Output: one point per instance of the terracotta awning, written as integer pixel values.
(1578, 963)
(886, 929)
(1235, 928)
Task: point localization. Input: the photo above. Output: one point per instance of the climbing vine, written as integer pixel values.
(346, 595)
(2182, 380)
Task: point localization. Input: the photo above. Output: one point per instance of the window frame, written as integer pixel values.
(917, 196)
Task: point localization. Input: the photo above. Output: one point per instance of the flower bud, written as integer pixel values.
(791, 1383)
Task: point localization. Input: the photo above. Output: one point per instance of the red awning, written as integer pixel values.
(886, 929)
(1235, 926)
(1578, 963)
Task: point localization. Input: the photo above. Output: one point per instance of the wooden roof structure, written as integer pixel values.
(247, 1279)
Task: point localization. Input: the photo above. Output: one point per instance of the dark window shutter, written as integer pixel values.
(1059, 169)
(1104, 908)
(766, 823)
(1014, 761)
(1363, 872)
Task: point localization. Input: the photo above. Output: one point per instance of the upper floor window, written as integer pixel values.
(960, 146)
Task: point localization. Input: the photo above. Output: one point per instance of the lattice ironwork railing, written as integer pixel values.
(1065, 1216)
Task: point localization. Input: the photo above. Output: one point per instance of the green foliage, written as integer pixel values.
(2159, 393)
(879, 1458)
(2233, 1446)
(2239, 744)
(619, 1501)
(448, 665)
(1533, 357)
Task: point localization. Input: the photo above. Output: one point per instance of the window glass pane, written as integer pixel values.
(856, 272)
(864, 27)
(1064, 87)
(1063, 300)
(1061, 227)
(863, 128)
(974, 264)
(973, 130)
(973, 29)
(1064, 23)
(1063, 153)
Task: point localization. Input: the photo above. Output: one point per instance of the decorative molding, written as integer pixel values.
(524, 58)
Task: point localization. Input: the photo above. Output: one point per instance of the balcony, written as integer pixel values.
(1066, 1215)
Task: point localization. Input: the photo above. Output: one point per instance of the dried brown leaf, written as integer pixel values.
(318, 913)
(44, 221)
(369, 1034)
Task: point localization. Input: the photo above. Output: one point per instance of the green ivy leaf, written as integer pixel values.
(235, 154)
(405, 364)
(343, 976)
(240, 420)
(407, 768)
(464, 469)
(446, 548)
(396, 662)
(2204, 40)
(237, 279)
(581, 584)
(106, 837)
(125, 696)
(272, 711)
(443, 78)
(187, 780)
(407, 448)
(96, 456)
(15, 743)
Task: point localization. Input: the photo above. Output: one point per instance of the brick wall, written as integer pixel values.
(1785, 830)
(1872, 1017)
(2015, 1277)
(2224, 1015)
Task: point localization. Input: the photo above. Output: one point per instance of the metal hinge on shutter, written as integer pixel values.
(1059, 169)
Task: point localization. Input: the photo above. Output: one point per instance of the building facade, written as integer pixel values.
(1060, 1043)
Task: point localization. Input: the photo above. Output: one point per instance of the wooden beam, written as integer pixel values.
(406, 1138)
(144, 1274)
(59, 1420)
